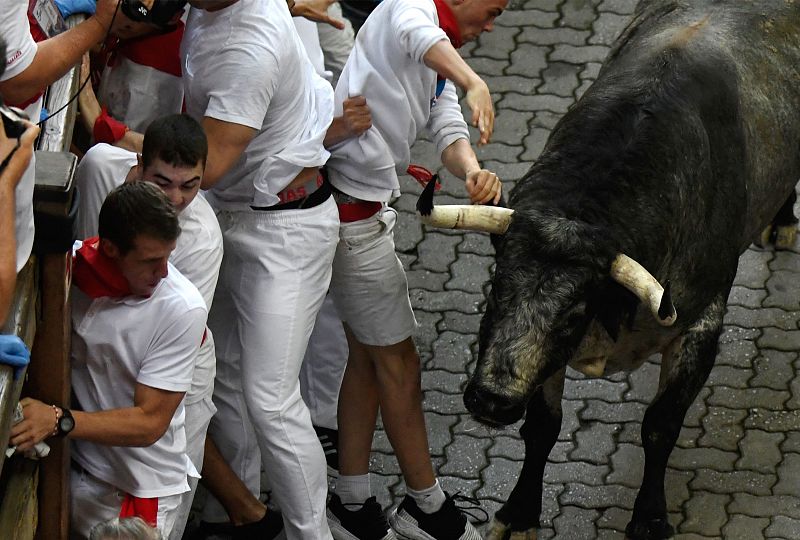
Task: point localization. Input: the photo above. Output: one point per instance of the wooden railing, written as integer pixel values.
(40, 316)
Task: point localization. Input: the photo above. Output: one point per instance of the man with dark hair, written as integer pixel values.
(137, 325)
(173, 158)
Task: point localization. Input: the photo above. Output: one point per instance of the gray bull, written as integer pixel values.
(673, 161)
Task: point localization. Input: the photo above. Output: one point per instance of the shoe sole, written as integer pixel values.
(409, 530)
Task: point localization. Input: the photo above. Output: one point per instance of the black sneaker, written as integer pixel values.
(447, 523)
(266, 528)
(329, 439)
(358, 521)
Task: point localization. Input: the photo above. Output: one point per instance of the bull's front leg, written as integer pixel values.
(684, 369)
(518, 519)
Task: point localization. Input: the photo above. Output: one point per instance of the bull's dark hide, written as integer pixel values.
(677, 156)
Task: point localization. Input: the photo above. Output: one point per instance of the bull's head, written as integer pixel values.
(543, 297)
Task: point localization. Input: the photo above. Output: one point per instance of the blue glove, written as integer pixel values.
(13, 352)
(68, 7)
(44, 115)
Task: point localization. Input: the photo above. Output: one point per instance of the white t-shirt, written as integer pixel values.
(197, 255)
(386, 67)
(117, 343)
(20, 51)
(245, 64)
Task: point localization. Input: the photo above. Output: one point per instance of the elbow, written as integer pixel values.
(151, 435)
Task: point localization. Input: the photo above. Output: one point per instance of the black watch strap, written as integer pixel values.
(66, 423)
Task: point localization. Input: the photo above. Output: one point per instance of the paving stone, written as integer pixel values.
(406, 260)
(774, 369)
(630, 432)
(465, 457)
(785, 260)
(594, 389)
(446, 301)
(764, 505)
(732, 482)
(597, 497)
(560, 79)
(544, 5)
(476, 243)
(437, 251)
(789, 476)
(451, 352)
(705, 514)
(617, 412)
(534, 143)
(444, 381)
(759, 318)
(469, 273)
(439, 435)
(784, 291)
(560, 451)
(753, 269)
(407, 234)
(570, 420)
(549, 102)
(426, 279)
(613, 519)
(783, 340)
(498, 152)
(627, 466)
(773, 421)
(385, 487)
(497, 44)
(760, 451)
(676, 490)
(749, 298)
(488, 66)
(425, 333)
(606, 28)
(783, 527)
(508, 447)
(578, 13)
(791, 443)
(460, 322)
(730, 376)
(509, 174)
(578, 55)
(738, 353)
(736, 333)
(571, 471)
(463, 486)
(643, 383)
(385, 463)
(723, 428)
(575, 523)
(594, 442)
(510, 127)
(748, 397)
(794, 402)
(443, 402)
(688, 437)
(624, 7)
(499, 478)
(741, 527)
(552, 36)
(527, 60)
(691, 459)
(529, 17)
(698, 409)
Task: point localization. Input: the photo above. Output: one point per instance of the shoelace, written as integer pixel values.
(470, 506)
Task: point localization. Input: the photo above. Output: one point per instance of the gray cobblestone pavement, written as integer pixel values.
(735, 472)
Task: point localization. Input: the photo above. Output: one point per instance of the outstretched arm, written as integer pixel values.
(482, 185)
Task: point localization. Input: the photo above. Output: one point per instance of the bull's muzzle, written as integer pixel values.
(490, 408)
(624, 270)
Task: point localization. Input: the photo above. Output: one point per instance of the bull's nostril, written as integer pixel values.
(492, 408)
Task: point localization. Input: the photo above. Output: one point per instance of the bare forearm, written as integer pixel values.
(446, 61)
(131, 426)
(8, 250)
(459, 158)
(54, 57)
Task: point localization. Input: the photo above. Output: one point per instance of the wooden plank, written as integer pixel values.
(18, 518)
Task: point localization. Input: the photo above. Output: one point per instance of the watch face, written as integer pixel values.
(65, 424)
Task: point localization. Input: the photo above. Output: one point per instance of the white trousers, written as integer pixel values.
(323, 366)
(95, 501)
(198, 417)
(273, 280)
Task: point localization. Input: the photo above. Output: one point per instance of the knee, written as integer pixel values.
(401, 372)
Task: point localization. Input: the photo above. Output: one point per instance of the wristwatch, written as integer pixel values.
(66, 422)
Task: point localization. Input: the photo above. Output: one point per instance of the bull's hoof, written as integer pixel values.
(765, 238)
(785, 235)
(498, 530)
(657, 529)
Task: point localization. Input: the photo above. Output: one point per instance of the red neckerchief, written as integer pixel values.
(96, 274)
(447, 22)
(158, 51)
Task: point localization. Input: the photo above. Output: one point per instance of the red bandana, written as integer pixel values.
(447, 22)
(97, 275)
(147, 509)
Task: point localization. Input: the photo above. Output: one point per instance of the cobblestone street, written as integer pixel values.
(735, 472)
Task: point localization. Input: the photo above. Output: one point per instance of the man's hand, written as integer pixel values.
(480, 102)
(108, 11)
(356, 116)
(39, 423)
(483, 186)
(314, 10)
(22, 150)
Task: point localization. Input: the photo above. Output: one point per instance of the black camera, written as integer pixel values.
(13, 121)
(164, 13)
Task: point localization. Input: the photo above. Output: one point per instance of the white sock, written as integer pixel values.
(353, 489)
(428, 500)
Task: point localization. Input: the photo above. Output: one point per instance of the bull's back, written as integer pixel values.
(758, 44)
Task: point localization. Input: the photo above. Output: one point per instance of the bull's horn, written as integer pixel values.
(633, 276)
(474, 217)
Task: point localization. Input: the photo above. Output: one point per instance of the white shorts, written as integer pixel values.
(369, 285)
(95, 501)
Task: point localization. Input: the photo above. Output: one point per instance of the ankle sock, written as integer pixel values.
(428, 500)
(353, 489)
